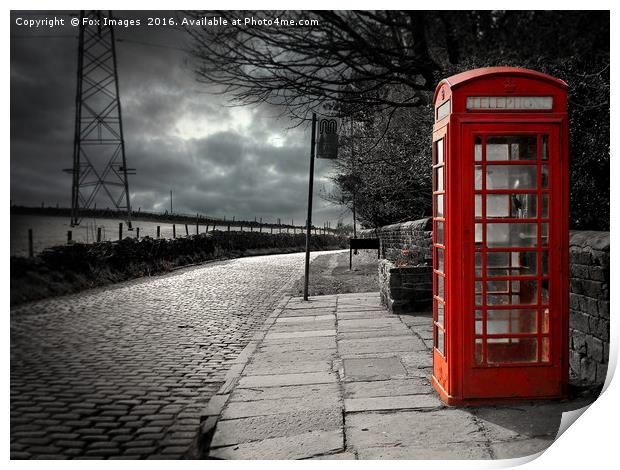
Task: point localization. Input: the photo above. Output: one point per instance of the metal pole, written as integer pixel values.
(120, 230)
(30, 245)
(309, 221)
(98, 234)
(158, 231)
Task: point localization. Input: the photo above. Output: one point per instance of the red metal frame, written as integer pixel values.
(461, 374)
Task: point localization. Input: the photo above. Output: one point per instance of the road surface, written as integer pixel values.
(124, 371)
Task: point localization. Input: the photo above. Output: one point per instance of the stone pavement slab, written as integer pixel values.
(360, 389)
(297, 446)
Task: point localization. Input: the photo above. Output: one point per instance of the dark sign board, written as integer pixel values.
(327, 137)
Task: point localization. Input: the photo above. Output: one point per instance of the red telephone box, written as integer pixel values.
(500, 236)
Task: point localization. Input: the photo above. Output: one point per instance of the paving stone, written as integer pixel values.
(284, 392)
(309, 312)
(382, 344)
(299, 334)
(519, 448)
(386, 388)
(403, 402)
(533, 420)
(256, 428)
(337, 456)
(285, 346)
(411, 428)
(375, 368)
(417, 360)
(296, 356)
(430, 451)
(371, 324)
(239, 409)
(273, 367)
(300, 446)
(306, 326)
(321, 319)
(286, 379)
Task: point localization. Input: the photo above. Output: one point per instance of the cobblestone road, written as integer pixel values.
(123, 371)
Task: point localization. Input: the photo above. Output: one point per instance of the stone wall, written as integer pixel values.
(415, 236)
(589, 307)
(405, 289)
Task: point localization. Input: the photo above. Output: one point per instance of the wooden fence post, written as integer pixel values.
(30, 244)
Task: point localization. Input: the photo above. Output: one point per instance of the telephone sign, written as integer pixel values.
(327, 138)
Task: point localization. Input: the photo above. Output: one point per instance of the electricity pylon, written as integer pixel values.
(99, 161)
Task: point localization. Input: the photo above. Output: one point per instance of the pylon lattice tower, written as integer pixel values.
(99, 163)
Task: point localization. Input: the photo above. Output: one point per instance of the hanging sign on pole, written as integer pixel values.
(323, 144)
(327, 137)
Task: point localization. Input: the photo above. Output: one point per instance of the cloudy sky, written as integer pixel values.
(218, 160)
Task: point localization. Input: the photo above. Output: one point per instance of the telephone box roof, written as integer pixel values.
(461, 78)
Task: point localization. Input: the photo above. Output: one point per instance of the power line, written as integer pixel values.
(151, 44)
(46, 36)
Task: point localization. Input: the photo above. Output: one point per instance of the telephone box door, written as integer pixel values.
(513, 314)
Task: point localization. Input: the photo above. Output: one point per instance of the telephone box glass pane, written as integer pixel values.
(439, 151)
(512, 350)
(500, 322)
(478, 352)
(511, 177)
(440, 312)
(515, 263)
(439, 254)
(544, 234)
(544, 263)
(439, 205)
(511, 234)
(546, 350)
(544, 212)
(545, 175)
(478, 177)
(478, 261)
(544, 291)
(478, 205)
(545, 320)
(440, 340)
(478, 322)
(511, 148)
(478, 149)
(519, 292)
(516, 206)
(439, 286)
(544, 147)
(439, 178)
(439, 233)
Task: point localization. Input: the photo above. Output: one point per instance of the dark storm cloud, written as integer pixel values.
(218, 159)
